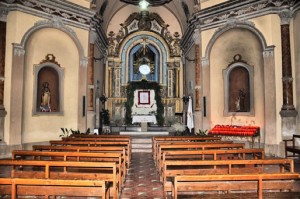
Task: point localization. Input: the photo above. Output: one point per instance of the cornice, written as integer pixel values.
(70, 13)
(218, 15)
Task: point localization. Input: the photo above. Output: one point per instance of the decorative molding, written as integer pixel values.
(71, 14)
(55, 22)
(50, 58)
(84, 62)
(197, 36)
(204, 62)
(242, 10)
(144, 21)
(19, 51)
(285, 17)
(287, 79)
(3, 13)
(288, 113)
(269, 52)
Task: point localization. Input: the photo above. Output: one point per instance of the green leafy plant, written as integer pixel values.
(65, 132)
(105, 116)
(202, 132)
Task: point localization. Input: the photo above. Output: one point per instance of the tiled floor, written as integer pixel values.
(142, 180)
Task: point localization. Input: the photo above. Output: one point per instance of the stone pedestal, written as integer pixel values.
(144, 126)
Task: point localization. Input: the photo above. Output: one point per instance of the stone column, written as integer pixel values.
(198, 109)
(91, 78)
(197, 70)
(2, 77)
(288, 112)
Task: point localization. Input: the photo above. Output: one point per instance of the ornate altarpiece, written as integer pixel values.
(144, 39)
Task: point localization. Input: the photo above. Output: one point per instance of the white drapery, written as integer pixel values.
(190, 117)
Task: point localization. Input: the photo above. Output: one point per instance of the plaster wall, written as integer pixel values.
(83, 3)
(42, 42)
(296, 61)
(17, 25)
(269, 26)
(232, 42)
(44, 127)
(208, 3)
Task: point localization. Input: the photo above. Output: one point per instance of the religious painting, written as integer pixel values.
(144, 97)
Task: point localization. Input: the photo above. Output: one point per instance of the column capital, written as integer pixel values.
(18, 50)
(285, 17)
(197, 36)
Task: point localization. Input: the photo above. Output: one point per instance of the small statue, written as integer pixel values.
(45, 99)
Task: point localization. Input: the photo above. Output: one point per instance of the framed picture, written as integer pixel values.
(144, 97)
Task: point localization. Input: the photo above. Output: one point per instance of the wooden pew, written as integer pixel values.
(75, 156)
(195, 146)
(291, 146)
(241, 182)
(161, 139)
(59, 173)
(221, 154)
(158, 144)
(96, 136)
(125, 144)
(88, 149)
(99, 139)
(51, 187)
(221, 167)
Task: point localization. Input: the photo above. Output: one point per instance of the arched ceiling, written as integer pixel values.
(175, 13)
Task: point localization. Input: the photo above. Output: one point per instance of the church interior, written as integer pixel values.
(186, 71)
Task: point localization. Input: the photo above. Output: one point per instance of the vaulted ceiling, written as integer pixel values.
(171, 11)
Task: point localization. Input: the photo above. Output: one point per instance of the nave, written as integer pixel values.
(142, 175)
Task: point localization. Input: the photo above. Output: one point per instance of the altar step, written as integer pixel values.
(141, 144)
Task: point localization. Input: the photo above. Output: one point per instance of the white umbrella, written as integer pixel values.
(190, 118)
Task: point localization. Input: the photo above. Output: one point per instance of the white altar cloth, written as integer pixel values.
(144, 118)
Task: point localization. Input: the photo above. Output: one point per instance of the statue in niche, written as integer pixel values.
(45, 99)
(240, 101)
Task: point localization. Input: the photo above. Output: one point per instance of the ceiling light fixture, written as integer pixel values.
(143, 5)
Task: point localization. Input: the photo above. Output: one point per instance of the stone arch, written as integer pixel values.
(235, 24)
(56, 23)
(267, 93)
(17, 71)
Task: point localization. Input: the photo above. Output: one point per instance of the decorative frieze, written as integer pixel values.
(71, 13)
(148, 22)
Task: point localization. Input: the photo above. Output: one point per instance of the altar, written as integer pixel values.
(144, 108)
(144, 118)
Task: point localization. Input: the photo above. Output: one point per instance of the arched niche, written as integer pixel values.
(238, 89)
(48, 87)
(144, 54)
(157, 46)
